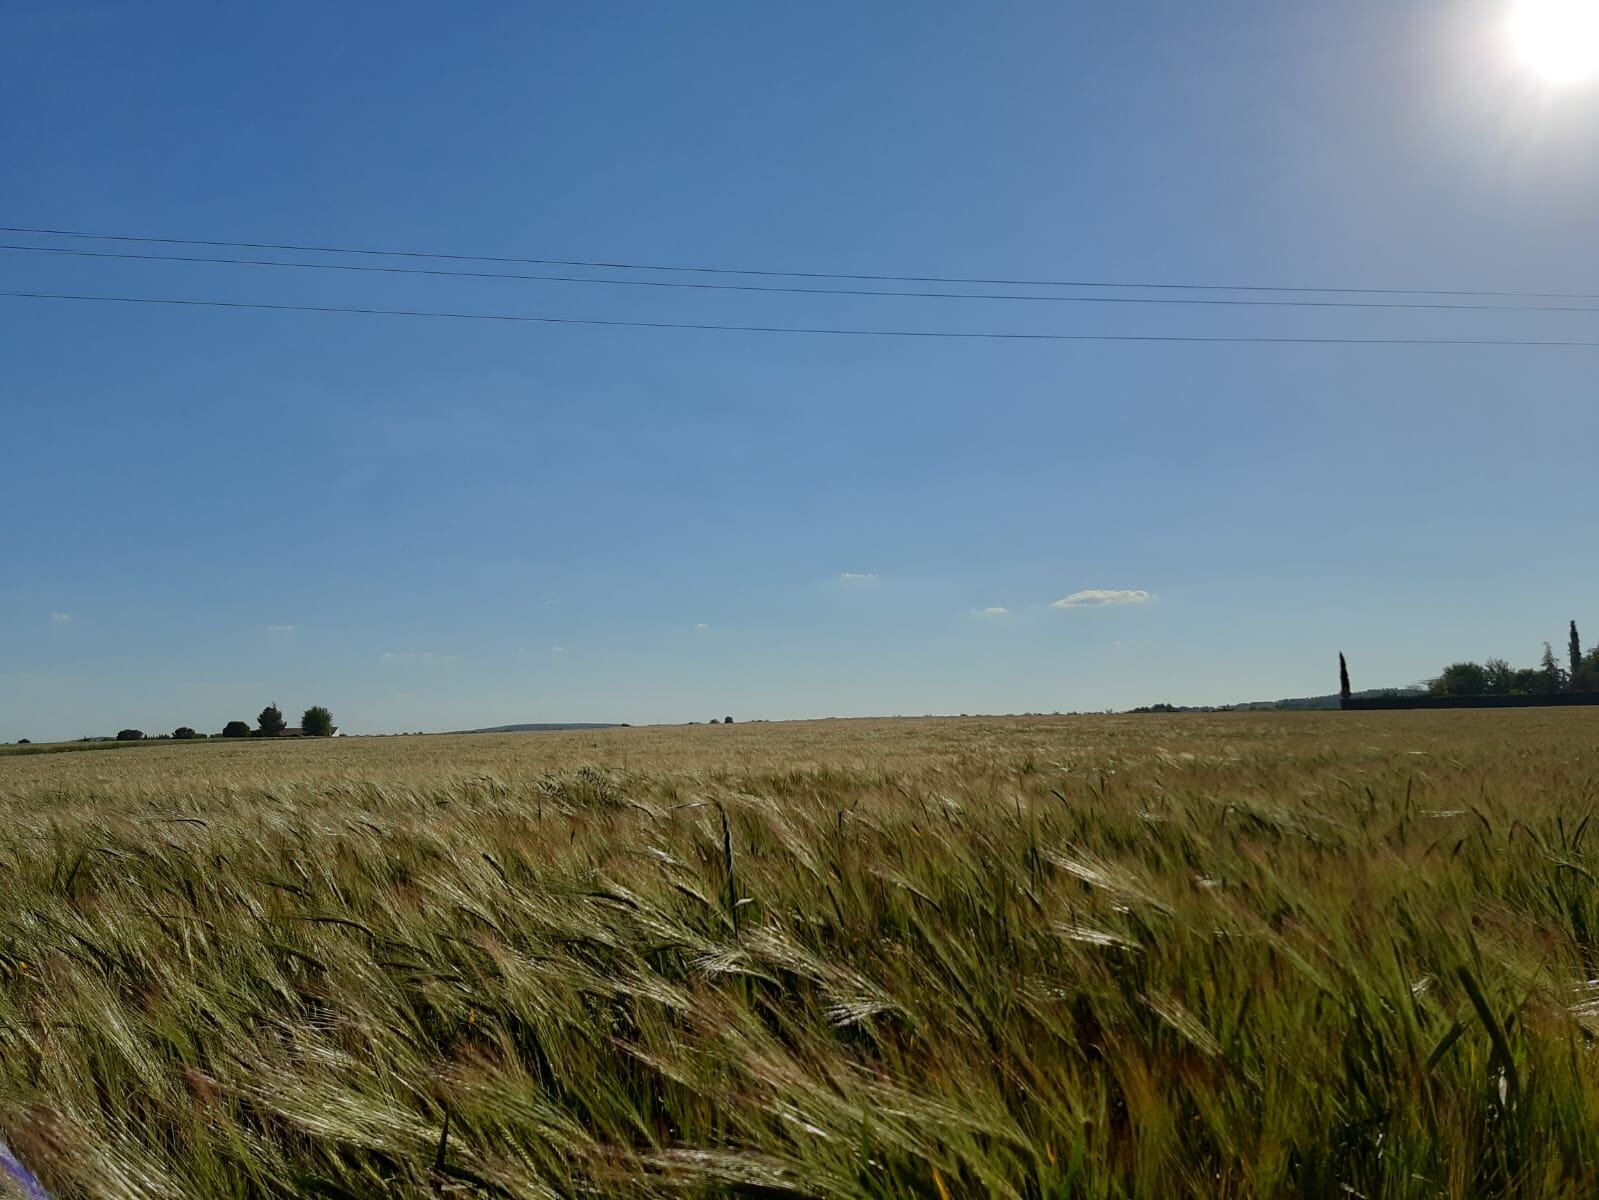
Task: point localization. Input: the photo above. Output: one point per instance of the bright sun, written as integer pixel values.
(1557, 38)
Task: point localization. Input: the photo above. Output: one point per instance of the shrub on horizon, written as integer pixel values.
(317, 722)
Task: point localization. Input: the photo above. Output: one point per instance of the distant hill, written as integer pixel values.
(1328, 701)
(1296, 702)
(548, 727)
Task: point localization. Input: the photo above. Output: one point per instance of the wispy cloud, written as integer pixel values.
(557, 649)
(702, 625)
(60, 618)
(281, 628)
(995, 611)
(1099, 597)
(856, 576)
(417, 656)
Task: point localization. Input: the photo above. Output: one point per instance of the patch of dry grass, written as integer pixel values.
(1239, 955)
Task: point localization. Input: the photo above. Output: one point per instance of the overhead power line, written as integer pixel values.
(981, 335)
(602, 264)
(451, 273)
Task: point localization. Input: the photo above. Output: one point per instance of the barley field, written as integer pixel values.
(1230, 955)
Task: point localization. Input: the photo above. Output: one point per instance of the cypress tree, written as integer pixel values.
(1343, 677)
(1575, 648)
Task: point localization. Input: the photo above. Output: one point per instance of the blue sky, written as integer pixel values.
(431, 524)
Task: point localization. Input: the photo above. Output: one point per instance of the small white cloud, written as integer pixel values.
(996, 611)
(1124, 642)
(856, 576)
(60, 618)
(415, 656)
(1099, 597)
(557, 649)
(702, 625)
(280, 628)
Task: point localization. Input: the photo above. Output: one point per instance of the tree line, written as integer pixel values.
(1496, 677)
(316, 721)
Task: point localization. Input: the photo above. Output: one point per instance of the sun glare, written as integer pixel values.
(1559, 39)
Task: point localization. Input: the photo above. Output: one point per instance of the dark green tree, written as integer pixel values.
(1461, 679)
(1528, 681)
(1574, 650)
(1587, 677)
(183, 734)
(1501, 677)
(236, 729)
(1343, 677)
(271, 723)
(130, 735)
(317, 722)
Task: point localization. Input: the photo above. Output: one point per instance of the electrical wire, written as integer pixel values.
(1207, 301)
(602, 264)
(815, 330)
